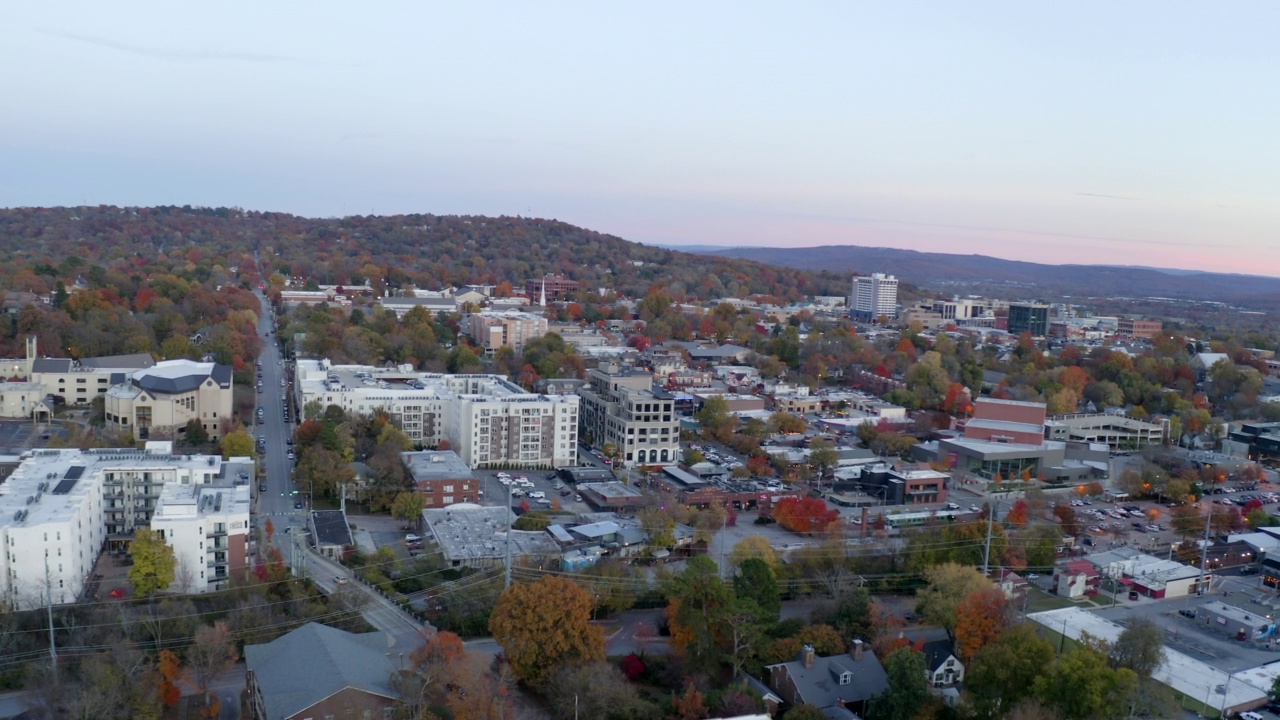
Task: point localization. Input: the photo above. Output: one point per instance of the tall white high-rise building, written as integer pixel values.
(874, 295)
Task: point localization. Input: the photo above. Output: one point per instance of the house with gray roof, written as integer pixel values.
(843, 683)
(317, 671)
(330, 532)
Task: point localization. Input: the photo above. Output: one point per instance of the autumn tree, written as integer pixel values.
(1066, 516)
(697, 598)
(1017, 514)
(757, 582)
(545, 624)
(714, 418)
(754, 546)
(407, 506)
(154, 564)
(908, 687)
(804, 515)
(1005, 672)
(980, 618)
(213, 653)
(946, 586)
(1140, 647)
(167, 674)
(1081, 684)
(595, 689)
(237, 443)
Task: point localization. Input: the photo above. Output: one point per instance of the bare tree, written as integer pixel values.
(184, 576)
(214, 653)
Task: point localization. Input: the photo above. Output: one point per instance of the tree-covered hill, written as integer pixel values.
(428, 251)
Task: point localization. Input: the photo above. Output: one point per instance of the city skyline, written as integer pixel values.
(1134, 135)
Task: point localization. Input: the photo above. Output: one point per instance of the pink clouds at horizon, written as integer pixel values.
(1015, 245)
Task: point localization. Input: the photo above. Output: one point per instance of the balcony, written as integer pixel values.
(215, 533)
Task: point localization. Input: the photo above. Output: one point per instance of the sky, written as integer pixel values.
(1136, 133)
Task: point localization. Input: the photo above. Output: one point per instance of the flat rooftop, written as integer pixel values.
(467, 532)
(431, 465)
(1184, 674)
(58, 480)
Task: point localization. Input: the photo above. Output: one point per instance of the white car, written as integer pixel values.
(537, 495)
(503, 475)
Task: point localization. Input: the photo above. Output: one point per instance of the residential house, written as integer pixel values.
(320, 672)
(943, 667)
(330, 532)
(846, 681)
(1075, 579)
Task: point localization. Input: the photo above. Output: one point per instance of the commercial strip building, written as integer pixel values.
(169, 395)
(623, 408)
(477, 536)
(892, 486)
(60, 508)
(488, 420)
(1197, 685)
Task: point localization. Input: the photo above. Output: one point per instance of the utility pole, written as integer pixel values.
(1204, 550)
(986, 551)
(53, 641)
(510, 497)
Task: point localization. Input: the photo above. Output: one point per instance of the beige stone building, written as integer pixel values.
(170, 395)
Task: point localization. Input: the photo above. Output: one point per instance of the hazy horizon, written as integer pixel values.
(1135, 134)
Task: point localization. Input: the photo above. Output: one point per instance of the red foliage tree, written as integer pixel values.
(804, 515)
(1018, 513)
(633, 667)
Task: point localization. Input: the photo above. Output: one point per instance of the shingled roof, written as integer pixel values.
(298, 670)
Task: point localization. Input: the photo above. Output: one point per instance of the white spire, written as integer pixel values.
(542, 300)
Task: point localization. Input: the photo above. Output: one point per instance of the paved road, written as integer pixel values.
(279, 502)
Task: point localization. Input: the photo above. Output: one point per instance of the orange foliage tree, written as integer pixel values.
(544, 625)
(804, 515)
(1017, 513)
(980, 618)
(168, 672)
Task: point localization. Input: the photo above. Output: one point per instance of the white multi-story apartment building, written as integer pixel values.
(488, 420)
(60, 508)
(512, 328)
(208, 528)
(621, 407)
(170, 395)
(874, 295)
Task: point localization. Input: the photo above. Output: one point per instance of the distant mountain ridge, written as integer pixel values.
(943, 270)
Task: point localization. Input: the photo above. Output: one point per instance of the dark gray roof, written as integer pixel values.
(136, 361)
(936, 652)
(51, 365)
(222, 375)
(819, 686)
(300, 669)
(172, 382)
(331, 527)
